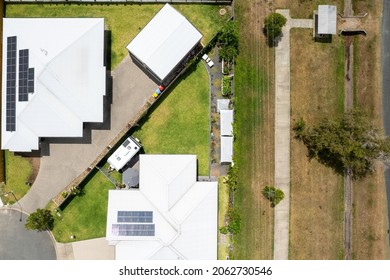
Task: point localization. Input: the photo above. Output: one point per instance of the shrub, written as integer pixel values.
(273, 24)
(273, 194)
(226, 86)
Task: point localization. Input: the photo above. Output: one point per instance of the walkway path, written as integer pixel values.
(282, 133)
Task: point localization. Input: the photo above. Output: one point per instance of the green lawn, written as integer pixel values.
(223, 203)
(124, 21)
(180, 124)
(18, 172)
(254, 142)
(85, 216)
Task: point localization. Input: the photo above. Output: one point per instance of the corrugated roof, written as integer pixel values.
(164, 41)
(327, 19)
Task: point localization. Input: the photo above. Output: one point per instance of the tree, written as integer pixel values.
(273, 194)
(273, 24)
(350, 142)
(228, 41)
(40, 220)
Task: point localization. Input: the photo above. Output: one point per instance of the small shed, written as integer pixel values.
(226, 122)
(130, 177)
(222, 104)
(226, 149)
(327, 20)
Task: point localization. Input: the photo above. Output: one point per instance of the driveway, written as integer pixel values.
(17, 243)
(64, 159)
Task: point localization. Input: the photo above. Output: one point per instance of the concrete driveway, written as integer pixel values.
(17, 243)
(64, 159)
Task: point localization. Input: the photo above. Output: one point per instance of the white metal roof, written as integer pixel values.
(129, 148)
(222, 104)
(185, 212)
(327, 19)
(69, 78)
(226, 148)
(226, 122)
(164, 41)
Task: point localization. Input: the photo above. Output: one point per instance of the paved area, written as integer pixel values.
(64, 159)
(282, 133)
(215, 75)
(17, 243)
(93, 249)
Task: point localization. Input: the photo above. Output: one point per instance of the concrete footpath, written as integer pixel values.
(282, 133)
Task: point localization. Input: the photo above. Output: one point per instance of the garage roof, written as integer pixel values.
(164, 41)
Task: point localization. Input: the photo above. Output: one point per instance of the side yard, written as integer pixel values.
(254, 143)
(316, 217)
(370, 226)
(124, 21)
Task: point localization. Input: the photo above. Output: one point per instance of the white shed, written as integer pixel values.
(327, 19)
(226, 149)
(226, 122)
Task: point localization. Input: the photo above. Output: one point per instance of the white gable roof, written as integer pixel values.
(164, 41)
(67, 56)
(226, 122)
(327, 19)
(184, 211)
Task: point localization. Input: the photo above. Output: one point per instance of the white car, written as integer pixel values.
(209, 62)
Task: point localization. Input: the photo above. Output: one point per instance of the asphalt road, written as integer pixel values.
(386, 83)
(17, 243)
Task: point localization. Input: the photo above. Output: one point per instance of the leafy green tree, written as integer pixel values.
(273, 194)
(348, 143)
(40, 220)
(228, 42)
(234, 220)
(273, 24)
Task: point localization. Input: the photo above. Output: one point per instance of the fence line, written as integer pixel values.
(122, 1)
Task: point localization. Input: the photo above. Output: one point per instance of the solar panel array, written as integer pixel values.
(26, 76)
(133, 229)
(11, 84)
(135, 217)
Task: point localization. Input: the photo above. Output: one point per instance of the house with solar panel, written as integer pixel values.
(54, 79)
(165, 44)
(171, 216)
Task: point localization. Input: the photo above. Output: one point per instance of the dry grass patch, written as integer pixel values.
(370, 216)
(316, 217)
(305, 8)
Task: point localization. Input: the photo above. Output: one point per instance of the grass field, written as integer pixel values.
(370, 224)
(180, 123)
(223, 200)
(124, 21)
(86, 215)
(18, 172)
(316, 211)
(254, 120)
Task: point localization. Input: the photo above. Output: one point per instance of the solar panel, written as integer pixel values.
(30, 80)
(23, 74)
(135, 217)
(11, 84)
(133, 229)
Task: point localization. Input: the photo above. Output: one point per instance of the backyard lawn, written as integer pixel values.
(85, 216)
(124, 21)
(180, 123)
